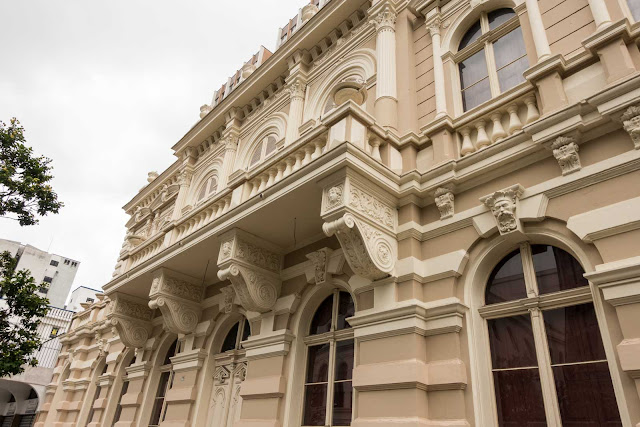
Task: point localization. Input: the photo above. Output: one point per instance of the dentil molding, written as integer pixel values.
(364, 220)
(131, 317)
(179, 298)
(253, 267)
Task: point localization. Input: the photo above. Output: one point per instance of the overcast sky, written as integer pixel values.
(105, 88)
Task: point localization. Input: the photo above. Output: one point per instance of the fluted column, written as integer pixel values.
(537, 30)
(184, 180)
(600, 13)
(296, 91)
(386, 104)
(438, 68)
(230, 148)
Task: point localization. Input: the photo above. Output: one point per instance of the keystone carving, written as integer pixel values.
(131, 317)
(504, 206)
(565, 150)
(631, 122)
(228, 296)
(445, 202)
(320, 260)
(364, 222)
(178, 297)
(253, 268)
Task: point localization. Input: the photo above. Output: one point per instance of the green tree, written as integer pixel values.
(25, 193)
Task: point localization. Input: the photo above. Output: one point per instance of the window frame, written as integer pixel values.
(243, 323)
(534, 305)
(207, 185)
(163, 370)
(332, 338)
(262, 146)
(485, 43)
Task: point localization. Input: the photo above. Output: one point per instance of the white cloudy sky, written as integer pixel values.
(105, 88)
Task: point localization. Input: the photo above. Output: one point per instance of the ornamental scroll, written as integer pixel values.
(252, 265)
(364, 220)
(178, 297)
(131, 318)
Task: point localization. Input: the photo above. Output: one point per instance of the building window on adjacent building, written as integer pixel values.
(166, 381)
(67, 262)
(492, 57)
(54, 332)
(264, 149)
(209, 188)
(43, 289)
(54, 263)
(90, 300)
(328, 394)
(74, 264)
(545, 349)
(96, 395)
(47, 279)
(123, 391)
(241, 331)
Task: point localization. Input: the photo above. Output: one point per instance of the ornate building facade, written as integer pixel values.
(412, 213)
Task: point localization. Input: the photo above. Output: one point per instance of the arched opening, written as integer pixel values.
(207, 188)
(159, 411)
(124, 387)
(263, 150)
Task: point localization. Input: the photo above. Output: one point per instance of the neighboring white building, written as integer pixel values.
(81, 295)
(55, 270)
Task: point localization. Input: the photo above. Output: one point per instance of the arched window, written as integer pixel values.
(493, 57)
(264, 149)
(166, 380)
(209, 188)
(328, 390)
(634, 7)
(123, 391)
(547, 357)
(241, 331)
(96, 395)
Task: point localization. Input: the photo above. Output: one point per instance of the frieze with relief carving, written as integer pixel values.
(631, 123)
(320, 260)
(253, 268)
(131, 318)
(179, 299)
(565, 150)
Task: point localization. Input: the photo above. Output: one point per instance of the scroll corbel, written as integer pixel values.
(179, 298)
(131, 317)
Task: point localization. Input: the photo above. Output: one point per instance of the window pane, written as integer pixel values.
(162, 385)
(170, 353)
(271, 145)
(585, 395)
(634, 6)
(213, 186)
(344, 360)
(346, 309)
(509, 47)
(476, 95)
(573, 334)
(512, 344)
(556, 270)
(318, 364)
(315, 405)
(255, 158)
(473, 69)
(321, 322)
(519, 398)
(342, 401)
(230, 340)
(513, 74)
(506, 282)
(499, 17)
(471, 35)
(246, 332)
(203, 192)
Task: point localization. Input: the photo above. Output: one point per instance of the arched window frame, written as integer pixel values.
(124, 387)
(485, 42)
(97, 388)
(244, 327)
(333, 337)
(159, 405)
(262, 149)
(534, 305)
(207, 189)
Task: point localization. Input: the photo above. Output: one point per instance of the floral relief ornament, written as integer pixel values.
(503, 205)
(444, 199)
(631, 123)
(565, 150)
(386, 19)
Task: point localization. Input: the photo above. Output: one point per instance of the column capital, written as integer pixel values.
(434, 26)
(297, 88)
(384, 17)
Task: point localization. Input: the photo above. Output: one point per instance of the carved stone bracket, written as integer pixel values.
(631, 123)
(131, 318)
(320, 260)
(228, 298)
(364, 220)
(253, 268)
(178, 297)
(565, 150)
(444, 199)
(504, 206)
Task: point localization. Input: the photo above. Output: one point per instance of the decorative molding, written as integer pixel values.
(228, 297)
(221, 375)
(444, 199)
(253, 267)
(385, 19)
(179, 299)
(504, 207)
(296, 89)
(131, 317)
(565, 150)
(320, 260)
(631, 123)
(606, 221)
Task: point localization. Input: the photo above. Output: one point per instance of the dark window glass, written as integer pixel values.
(47, 279)
(585, 395)
(342, 402)
(634, 6)
(43, 289)
(519, 398)
(499, 17)
(159, 400)
(471, 35)
(246, 332)
(344, 360)
(96, 395)
(318, 364)
(170, 353)
(346, 309)
(512, 344)
(315, 405)
(125, 387)
(54, 263)
(506, 282)
(230, 340)
(556, 270)
(573, 334)
(511, 59)
(321, 322)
